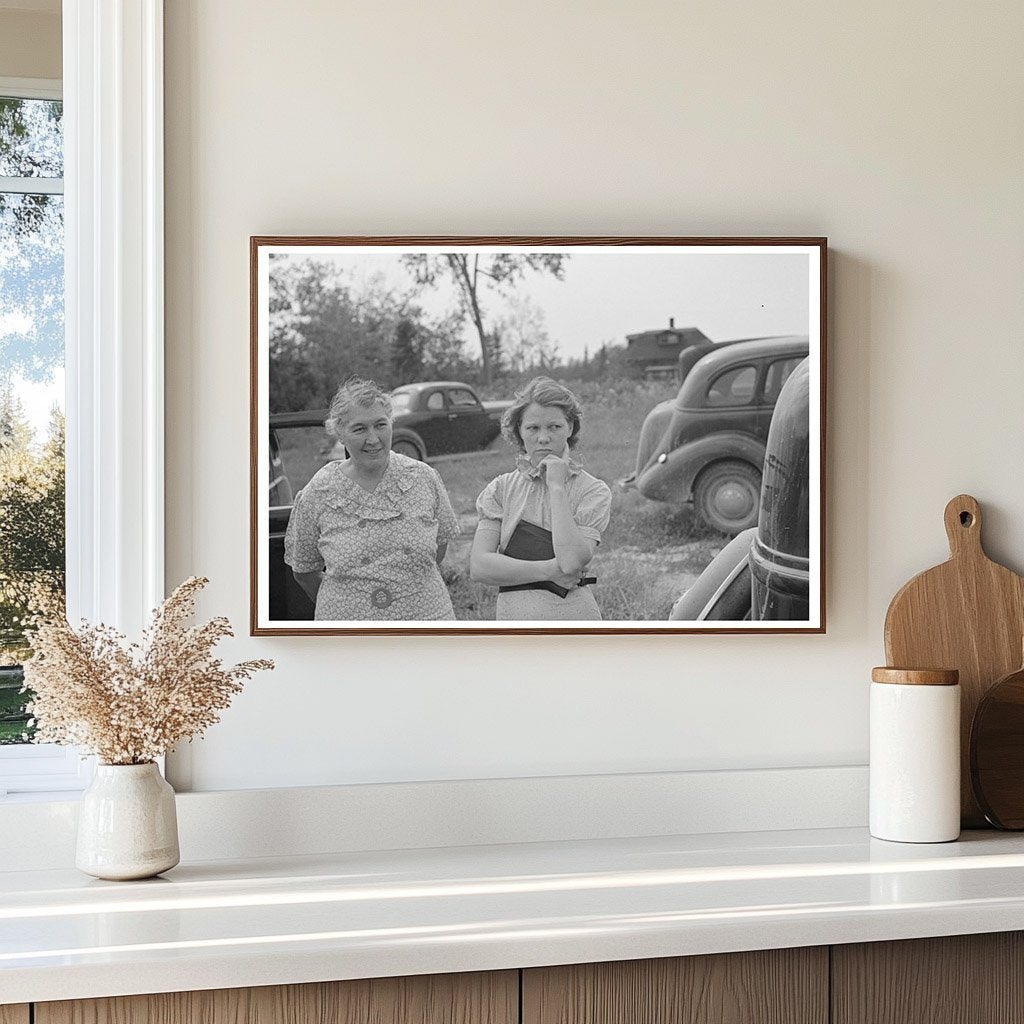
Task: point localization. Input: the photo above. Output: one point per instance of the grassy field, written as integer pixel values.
(649, 554)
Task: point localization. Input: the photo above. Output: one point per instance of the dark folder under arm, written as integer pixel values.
(532, 543)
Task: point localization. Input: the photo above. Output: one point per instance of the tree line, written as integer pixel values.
(324, 327)
(32, 574)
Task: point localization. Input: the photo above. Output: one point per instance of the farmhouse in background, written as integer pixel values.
(654, 355)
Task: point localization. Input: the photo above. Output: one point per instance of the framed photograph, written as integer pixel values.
(537, 435)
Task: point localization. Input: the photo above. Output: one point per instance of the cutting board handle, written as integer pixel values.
(963, 527)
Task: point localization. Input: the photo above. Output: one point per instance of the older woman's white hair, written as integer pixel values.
(356, 391)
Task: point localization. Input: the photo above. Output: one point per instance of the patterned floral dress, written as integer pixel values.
(378, 549)
(522, 494)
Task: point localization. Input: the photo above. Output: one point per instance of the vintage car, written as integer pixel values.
(707, 445)
(442, 417)
(287, 599)
(764, 572)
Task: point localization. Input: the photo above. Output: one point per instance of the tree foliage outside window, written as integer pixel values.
(32, 542)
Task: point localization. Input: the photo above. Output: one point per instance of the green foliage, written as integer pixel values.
(14, 719)
(32, 553)
(32, 525)
(31, 138)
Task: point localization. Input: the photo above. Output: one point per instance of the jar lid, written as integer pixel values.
(916, 676)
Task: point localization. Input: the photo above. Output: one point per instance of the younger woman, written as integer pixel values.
(540, 525)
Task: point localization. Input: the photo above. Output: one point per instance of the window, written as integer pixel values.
(435, 403)
(113, 310)
(778, 374)
(462, 399)
(733, 387)
(32, 555)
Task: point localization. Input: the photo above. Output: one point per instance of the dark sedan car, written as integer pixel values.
(708, 444)
(442, 417)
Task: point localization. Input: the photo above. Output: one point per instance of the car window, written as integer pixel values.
(435, 401)
(461, 398)
(400, 401)
(734, 387)
(778, 374)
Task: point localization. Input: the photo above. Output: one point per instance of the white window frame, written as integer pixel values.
(114, 348)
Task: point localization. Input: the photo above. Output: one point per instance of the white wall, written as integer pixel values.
(894, 129)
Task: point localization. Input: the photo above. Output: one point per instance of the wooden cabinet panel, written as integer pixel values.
(777, 986)
(481, 998)
(961, 979)
(14, 1014)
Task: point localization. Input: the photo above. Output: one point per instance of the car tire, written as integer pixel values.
(727, 496)
(411, 445)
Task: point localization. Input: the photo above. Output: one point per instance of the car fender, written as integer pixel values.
(652, 434)
(722, 591)
(671, 477)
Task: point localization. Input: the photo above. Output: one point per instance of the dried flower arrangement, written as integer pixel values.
(129, 704)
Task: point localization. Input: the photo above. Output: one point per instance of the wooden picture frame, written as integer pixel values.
(699, 365)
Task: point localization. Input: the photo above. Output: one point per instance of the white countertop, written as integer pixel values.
(224, 924)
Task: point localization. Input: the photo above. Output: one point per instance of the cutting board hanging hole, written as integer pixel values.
(963, 526)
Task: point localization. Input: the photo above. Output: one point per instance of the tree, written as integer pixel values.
(444, 351)
(32, 570)
(324, 329)
(406, 358)
(470, 271)
(528, 344)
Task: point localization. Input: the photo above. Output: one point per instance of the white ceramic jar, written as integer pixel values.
(915, 755)
(127, 823)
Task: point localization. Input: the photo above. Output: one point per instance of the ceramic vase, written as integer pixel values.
(127, 825)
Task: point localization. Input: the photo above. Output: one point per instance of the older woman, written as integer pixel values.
(367, 534)
(540, 525)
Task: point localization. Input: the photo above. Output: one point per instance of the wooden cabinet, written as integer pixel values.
(481, 998)
(961, 979)
(776, 986)
(966, 979)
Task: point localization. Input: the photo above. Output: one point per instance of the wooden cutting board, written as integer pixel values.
(967, 614)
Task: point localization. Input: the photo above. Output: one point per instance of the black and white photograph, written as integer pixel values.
(549, 435)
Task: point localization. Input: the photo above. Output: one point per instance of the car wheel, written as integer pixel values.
(728, 496)
(410, 447)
